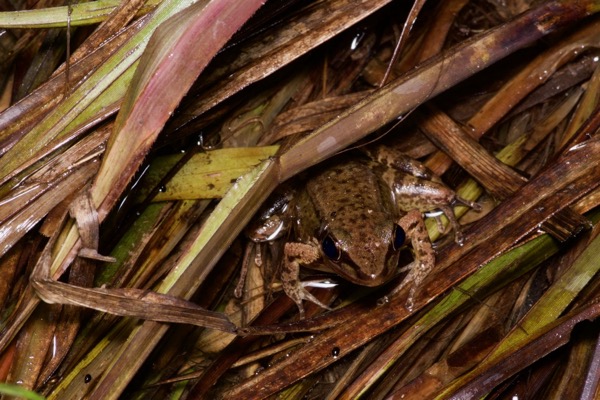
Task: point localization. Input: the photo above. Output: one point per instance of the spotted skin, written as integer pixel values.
(349, 218)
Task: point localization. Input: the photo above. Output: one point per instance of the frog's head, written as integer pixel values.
(366, 253)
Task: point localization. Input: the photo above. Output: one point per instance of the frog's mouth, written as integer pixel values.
(359, 275)
(372, 261)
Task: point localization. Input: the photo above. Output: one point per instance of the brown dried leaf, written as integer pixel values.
(542, 197)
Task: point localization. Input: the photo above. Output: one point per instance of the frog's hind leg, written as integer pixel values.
(411, 192)
(391, 157)
(294, 255)
(414, 228)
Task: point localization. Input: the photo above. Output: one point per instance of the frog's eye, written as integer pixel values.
(330, 248)
(399, 237)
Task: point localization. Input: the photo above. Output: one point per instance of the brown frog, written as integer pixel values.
(352, 217)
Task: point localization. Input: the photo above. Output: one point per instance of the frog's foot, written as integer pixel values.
(438, 222)
(86, 217)
(417, 273)
(449, 213)
(296, 254)
(298, 293)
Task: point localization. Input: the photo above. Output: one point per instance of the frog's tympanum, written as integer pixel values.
(353, 215)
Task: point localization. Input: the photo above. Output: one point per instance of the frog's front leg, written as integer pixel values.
(424, 255)
(295, 255)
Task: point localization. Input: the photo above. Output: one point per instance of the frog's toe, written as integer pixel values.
(440, 225)
(298, 294)
(309, 297)
(471, 204)
(412, 294)
(459, 238)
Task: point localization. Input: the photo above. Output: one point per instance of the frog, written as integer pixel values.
(352, 215)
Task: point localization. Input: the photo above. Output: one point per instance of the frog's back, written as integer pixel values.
(355, 208)
(350, 187)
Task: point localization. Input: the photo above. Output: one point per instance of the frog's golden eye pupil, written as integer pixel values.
(399, 237)
(330, 248)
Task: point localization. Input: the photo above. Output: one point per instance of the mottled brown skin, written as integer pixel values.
(357, 205)
(349, 202)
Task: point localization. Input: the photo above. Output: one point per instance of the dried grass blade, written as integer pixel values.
(173, 60)
(133, 303)
(430, 79)
(538, 320)
(537, 201)
(81, 103)
(403, 39)
(513, 264)
(233, 212)
(533, 76)
(266, 55)
(551, 336)
(500, 180)
(82, 14)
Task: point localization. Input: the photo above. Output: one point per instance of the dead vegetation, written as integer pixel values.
(128, 174)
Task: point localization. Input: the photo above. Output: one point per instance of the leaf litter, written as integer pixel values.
(521, 285)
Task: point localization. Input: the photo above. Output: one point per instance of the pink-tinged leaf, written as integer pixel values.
(176, 54)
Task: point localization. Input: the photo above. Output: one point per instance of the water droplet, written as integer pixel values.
(335, 352)
(356, 40)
